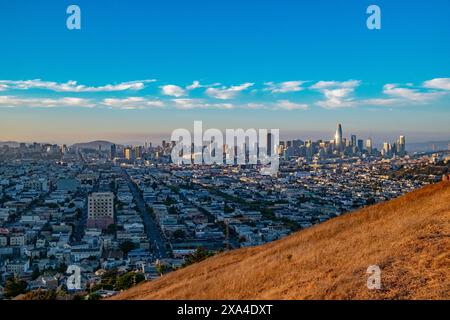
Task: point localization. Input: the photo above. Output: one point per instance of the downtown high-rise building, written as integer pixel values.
(338, 137)
(127, 153)
(401, 145)
(353, 140)
(369, 145)
(360, 145)
(269, 144)
(386, 151)
(137, 152)
(113, 151)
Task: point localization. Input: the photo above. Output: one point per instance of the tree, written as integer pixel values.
(94, 296)
(5, 198)
(173, 210)
(78, 297)
(169, 201)
(179, 234)
(128, 280)
(161, 268)
(127, 246)
(35, 273)
(108, 281)
(14, 287)
(199, 255)
(41, 295)
(370, 201)
(227, 208)
(150, 211)
(62, 267)
(111, 229)
(78, 213)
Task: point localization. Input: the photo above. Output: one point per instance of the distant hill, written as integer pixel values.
(428, 146)
(11, 144)
(408, 238)
(94, 145)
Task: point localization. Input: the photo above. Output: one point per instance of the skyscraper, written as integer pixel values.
(113, 151)
(360, 145)
(386, 149)
(401, 145)
(353, 140)
(127, 153)
(269, 144)
(338, 137)
(369, 145)
(137, 152)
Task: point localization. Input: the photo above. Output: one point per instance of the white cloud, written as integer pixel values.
(335, 84)
(225, 93)
(132, 103)
(337, 94)
(254, 106)
(380, 102)
(341, 94)
(173, 90)
(196, 84)
(187, 104)
(438, 83)
(411, 94)
(288, 105)
(337, 98)
(13, 102)
(283, 87)
(71, 86)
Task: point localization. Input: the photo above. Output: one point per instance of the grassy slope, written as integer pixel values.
(409, 238)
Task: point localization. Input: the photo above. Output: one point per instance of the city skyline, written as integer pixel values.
(344, 135)
(286, 148)
(377, 143)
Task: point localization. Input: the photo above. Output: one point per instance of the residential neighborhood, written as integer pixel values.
(108, 218)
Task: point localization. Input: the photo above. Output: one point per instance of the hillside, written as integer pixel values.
(408, 238)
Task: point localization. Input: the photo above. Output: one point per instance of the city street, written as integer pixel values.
(157, 241)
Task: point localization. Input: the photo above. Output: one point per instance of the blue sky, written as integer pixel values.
(139, 69)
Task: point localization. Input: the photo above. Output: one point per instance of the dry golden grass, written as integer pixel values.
(409, 238)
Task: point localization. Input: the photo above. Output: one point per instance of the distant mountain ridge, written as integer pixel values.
(408, 238)
(82, 145)
(94, 145)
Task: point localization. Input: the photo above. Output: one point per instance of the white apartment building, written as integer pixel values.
(17, 240)
(100, 209)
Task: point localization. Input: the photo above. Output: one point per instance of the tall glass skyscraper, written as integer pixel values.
(338, 137)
